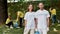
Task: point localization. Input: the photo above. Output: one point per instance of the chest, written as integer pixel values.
(30, 15)
(42, 14)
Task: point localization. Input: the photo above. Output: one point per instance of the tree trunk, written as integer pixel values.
(3, 11)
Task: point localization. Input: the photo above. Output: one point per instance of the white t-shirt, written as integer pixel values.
(29, 16)
(42, 16)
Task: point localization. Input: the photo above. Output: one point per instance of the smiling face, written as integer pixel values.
(41, 6)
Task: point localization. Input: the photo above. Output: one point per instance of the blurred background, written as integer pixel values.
(11, 7)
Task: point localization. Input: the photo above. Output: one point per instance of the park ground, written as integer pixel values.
(4, 30)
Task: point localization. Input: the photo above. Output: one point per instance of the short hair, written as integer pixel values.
(42, 3)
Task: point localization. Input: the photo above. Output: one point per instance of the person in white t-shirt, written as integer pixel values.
(42, 18)
(29, 21)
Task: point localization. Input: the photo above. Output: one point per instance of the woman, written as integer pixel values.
(29, 20)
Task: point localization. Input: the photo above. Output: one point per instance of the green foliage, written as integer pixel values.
(22, 6)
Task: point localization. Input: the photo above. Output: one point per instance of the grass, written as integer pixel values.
(3, 30)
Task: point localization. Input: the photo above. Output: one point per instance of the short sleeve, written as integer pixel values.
(25, 17)
(48, 15)
(8, 20)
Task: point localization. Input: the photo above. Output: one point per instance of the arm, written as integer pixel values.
(48, 20)
(50, 9)
(25, 19)
(35, 22)
(25, 22)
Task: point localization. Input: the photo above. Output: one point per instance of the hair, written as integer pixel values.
(41, 2)
(32, 9)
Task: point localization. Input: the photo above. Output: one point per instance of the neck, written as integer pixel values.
(30, 10)
(41, 9)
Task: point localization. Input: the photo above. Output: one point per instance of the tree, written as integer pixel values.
(3, 11)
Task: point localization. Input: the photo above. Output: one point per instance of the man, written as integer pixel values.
(42, 19)
(9, 22)
(53, 15)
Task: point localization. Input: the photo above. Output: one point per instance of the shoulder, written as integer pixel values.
(8, 19)
(26, 12)
(54, 9)
(46, 11)
(37, 10)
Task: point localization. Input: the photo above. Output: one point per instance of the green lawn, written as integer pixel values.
(3, 30)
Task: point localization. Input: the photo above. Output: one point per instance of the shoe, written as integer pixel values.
(55, 30)
(17, 27)
(11, 27)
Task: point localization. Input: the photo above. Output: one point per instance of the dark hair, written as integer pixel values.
(32, 9)
(52, 8)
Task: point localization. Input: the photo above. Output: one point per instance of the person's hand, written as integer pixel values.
(36, 29)
(47, 28)
(24, 24)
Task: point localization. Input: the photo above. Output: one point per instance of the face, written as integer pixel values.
(9, 17)
(30, 7)
(41, 6)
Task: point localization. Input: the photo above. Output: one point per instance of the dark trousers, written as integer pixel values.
(53, 18)
(20, 22)
(9, 24)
